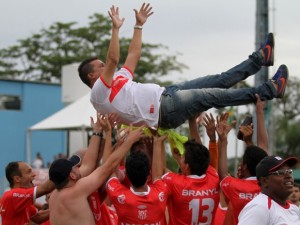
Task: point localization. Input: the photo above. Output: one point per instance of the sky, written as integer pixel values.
(210, 35)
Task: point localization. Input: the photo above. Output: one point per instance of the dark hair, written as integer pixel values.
(252, 156)
(197, 157)
(12, 169)
(137, 168)
(85, 68)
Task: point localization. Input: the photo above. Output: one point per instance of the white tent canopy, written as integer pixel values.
(75, 116)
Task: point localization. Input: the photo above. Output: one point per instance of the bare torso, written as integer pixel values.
(68, 208)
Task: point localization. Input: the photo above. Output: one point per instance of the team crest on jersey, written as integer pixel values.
(142, 214)
(161, 196)
(121, 199)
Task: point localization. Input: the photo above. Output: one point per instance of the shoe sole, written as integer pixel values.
(281, 95)
(271, 37)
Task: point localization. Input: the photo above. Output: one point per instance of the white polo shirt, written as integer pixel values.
(135, 103)
(263, 210)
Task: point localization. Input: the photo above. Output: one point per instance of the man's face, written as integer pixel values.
(98, 67)
(280, 183)
(295, 196)
(27, 175)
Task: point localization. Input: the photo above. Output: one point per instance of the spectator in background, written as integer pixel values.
(38, 162)
(295, 196)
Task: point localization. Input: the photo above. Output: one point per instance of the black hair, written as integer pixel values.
(197, 157)
(85, 68)
(12, 169)
(252, 156)
(137, 168)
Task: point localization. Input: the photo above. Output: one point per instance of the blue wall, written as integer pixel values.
(38, 101)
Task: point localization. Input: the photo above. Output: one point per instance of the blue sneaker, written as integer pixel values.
(268, 50)
(281, 76)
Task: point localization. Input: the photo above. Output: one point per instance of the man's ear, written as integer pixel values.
(17, 179)
(90, 75)
(72, 175)
(264, 181)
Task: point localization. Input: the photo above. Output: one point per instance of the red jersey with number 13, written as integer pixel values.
(193, 199)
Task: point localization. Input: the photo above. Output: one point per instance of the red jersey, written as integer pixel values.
(239, 192)
(220, 215)
(102, 214)
(17, 206)
(138, 207)
(193, 199)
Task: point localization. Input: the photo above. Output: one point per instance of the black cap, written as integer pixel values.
(60, 169)
(271, 163)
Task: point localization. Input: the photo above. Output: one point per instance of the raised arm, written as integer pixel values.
(89, 161)
(157, 159)
(89, 184)
(135, 47)
(262, 134)
(193, 127)
(223, 128)
(209, 124)
(108, 139)
(113, 54)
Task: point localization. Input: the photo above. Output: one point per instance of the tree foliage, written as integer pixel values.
(42, 55)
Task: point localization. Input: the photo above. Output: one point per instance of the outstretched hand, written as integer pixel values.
(142, 15)
(114, 15)
(223, 128)
(209, 124)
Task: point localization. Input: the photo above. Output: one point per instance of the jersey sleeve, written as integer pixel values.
(253, 214)
(114, 188)
(32, 211)
(226, 184)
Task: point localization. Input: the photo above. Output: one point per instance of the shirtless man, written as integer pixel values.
(68, 203)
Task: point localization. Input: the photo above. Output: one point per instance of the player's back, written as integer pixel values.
(193, 199)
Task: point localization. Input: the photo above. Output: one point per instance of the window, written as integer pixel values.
(10, 102)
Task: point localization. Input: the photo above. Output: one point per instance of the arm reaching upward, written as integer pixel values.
(113, 54)
(223, 128)
(157, 161)
(262, 134)
(135, 48)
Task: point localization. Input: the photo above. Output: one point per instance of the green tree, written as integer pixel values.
(42, 55)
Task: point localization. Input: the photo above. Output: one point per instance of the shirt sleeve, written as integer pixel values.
(226, 186)
(32, 211)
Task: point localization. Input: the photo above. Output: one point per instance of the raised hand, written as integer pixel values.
(260, 105)
(96, 126)
(209, 124)
(133, 135)
(247, 132)
(114, 15)
(104, 122)
(142, 15)
(223, 128)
